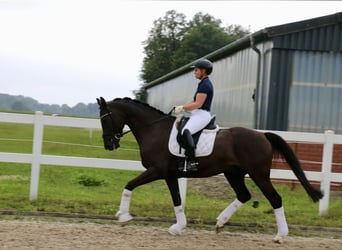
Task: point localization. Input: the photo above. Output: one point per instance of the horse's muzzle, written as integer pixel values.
(111, 145)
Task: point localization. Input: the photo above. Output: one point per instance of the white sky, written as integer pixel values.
(71, 51)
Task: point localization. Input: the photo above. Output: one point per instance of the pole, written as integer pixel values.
(37, 150)
(326, 172)
(182, 182)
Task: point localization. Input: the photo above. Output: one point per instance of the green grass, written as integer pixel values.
(98, 191)
(89, 142)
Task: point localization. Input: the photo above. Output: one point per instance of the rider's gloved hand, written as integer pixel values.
(178, 110)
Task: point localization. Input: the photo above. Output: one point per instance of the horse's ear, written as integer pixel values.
(101, 102)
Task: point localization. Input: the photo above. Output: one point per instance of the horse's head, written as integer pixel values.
(111, 126)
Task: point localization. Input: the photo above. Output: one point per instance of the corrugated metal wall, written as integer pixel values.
(325, 38)
(316, 92)
(234, 80)
(280, 78)
(173, 92)
(306, 80)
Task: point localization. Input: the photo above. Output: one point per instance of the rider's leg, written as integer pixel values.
(198, 120)
(191, 164)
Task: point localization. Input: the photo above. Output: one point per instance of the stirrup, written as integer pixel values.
(184, 165)
(190, 166)
(181, 164)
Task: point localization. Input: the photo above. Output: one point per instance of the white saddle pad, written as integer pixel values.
(204, 146)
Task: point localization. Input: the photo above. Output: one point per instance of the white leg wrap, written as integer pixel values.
(180, 216)
(228, 212)
(177, 229)
(281, 224)
(123, 213)
(125, 200)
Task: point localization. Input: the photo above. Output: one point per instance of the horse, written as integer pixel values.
(237, 151)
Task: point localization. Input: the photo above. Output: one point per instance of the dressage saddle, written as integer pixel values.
(211, 126)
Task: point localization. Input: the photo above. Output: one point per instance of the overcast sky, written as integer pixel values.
(71, 51)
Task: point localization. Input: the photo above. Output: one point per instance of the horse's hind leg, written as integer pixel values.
(236, 181)
(176, 229)
(274, 198)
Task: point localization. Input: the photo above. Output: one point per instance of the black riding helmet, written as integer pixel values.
(204, 64)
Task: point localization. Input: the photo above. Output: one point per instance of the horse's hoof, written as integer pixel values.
(123, 217)
(219, 227)
(175, 229)
(279, 239)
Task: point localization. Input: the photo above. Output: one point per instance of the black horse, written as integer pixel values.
(237, 151)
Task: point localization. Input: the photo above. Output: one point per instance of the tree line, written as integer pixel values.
(28, 104)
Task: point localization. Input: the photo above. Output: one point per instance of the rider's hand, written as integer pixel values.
(178, 110)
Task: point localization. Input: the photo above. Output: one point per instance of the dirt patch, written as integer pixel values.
(215, 187)
(18, 234)
(218, 187)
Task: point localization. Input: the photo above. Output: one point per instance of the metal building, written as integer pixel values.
(286, 77)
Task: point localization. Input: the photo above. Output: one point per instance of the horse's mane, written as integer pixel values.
(143, 104)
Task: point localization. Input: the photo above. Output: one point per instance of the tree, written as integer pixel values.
(19, 106)
(165, 38)
(205, 36)
(173, 42)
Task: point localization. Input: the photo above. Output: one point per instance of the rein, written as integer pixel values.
(119, 135)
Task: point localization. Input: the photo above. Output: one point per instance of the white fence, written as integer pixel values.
(36, 158)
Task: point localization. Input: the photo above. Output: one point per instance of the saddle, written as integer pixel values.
(204, 139)
(210, 126)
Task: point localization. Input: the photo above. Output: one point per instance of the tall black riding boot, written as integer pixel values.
(191, 164)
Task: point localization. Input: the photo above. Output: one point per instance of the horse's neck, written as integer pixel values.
(139, 119)
(146, 123)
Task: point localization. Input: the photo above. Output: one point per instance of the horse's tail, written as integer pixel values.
(284, 149)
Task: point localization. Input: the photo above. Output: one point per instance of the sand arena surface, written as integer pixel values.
(36, 234)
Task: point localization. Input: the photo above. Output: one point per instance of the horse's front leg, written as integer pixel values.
(123, 214)
(147, 176)
(176, 229)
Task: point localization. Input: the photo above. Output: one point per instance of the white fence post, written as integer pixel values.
(182, 182)
(326, 172)
(36, 154)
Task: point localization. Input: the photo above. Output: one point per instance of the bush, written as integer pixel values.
(90, 181)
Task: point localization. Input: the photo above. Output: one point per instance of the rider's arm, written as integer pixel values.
(197, 103)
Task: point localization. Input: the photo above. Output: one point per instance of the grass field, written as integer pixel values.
(98, 191)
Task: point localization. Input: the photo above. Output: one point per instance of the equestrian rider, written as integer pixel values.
(199, 109)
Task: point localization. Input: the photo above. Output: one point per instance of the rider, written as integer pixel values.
(199, 108)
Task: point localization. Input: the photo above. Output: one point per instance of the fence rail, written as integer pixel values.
(325, 177)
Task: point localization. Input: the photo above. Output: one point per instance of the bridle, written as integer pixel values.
(116, 136)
